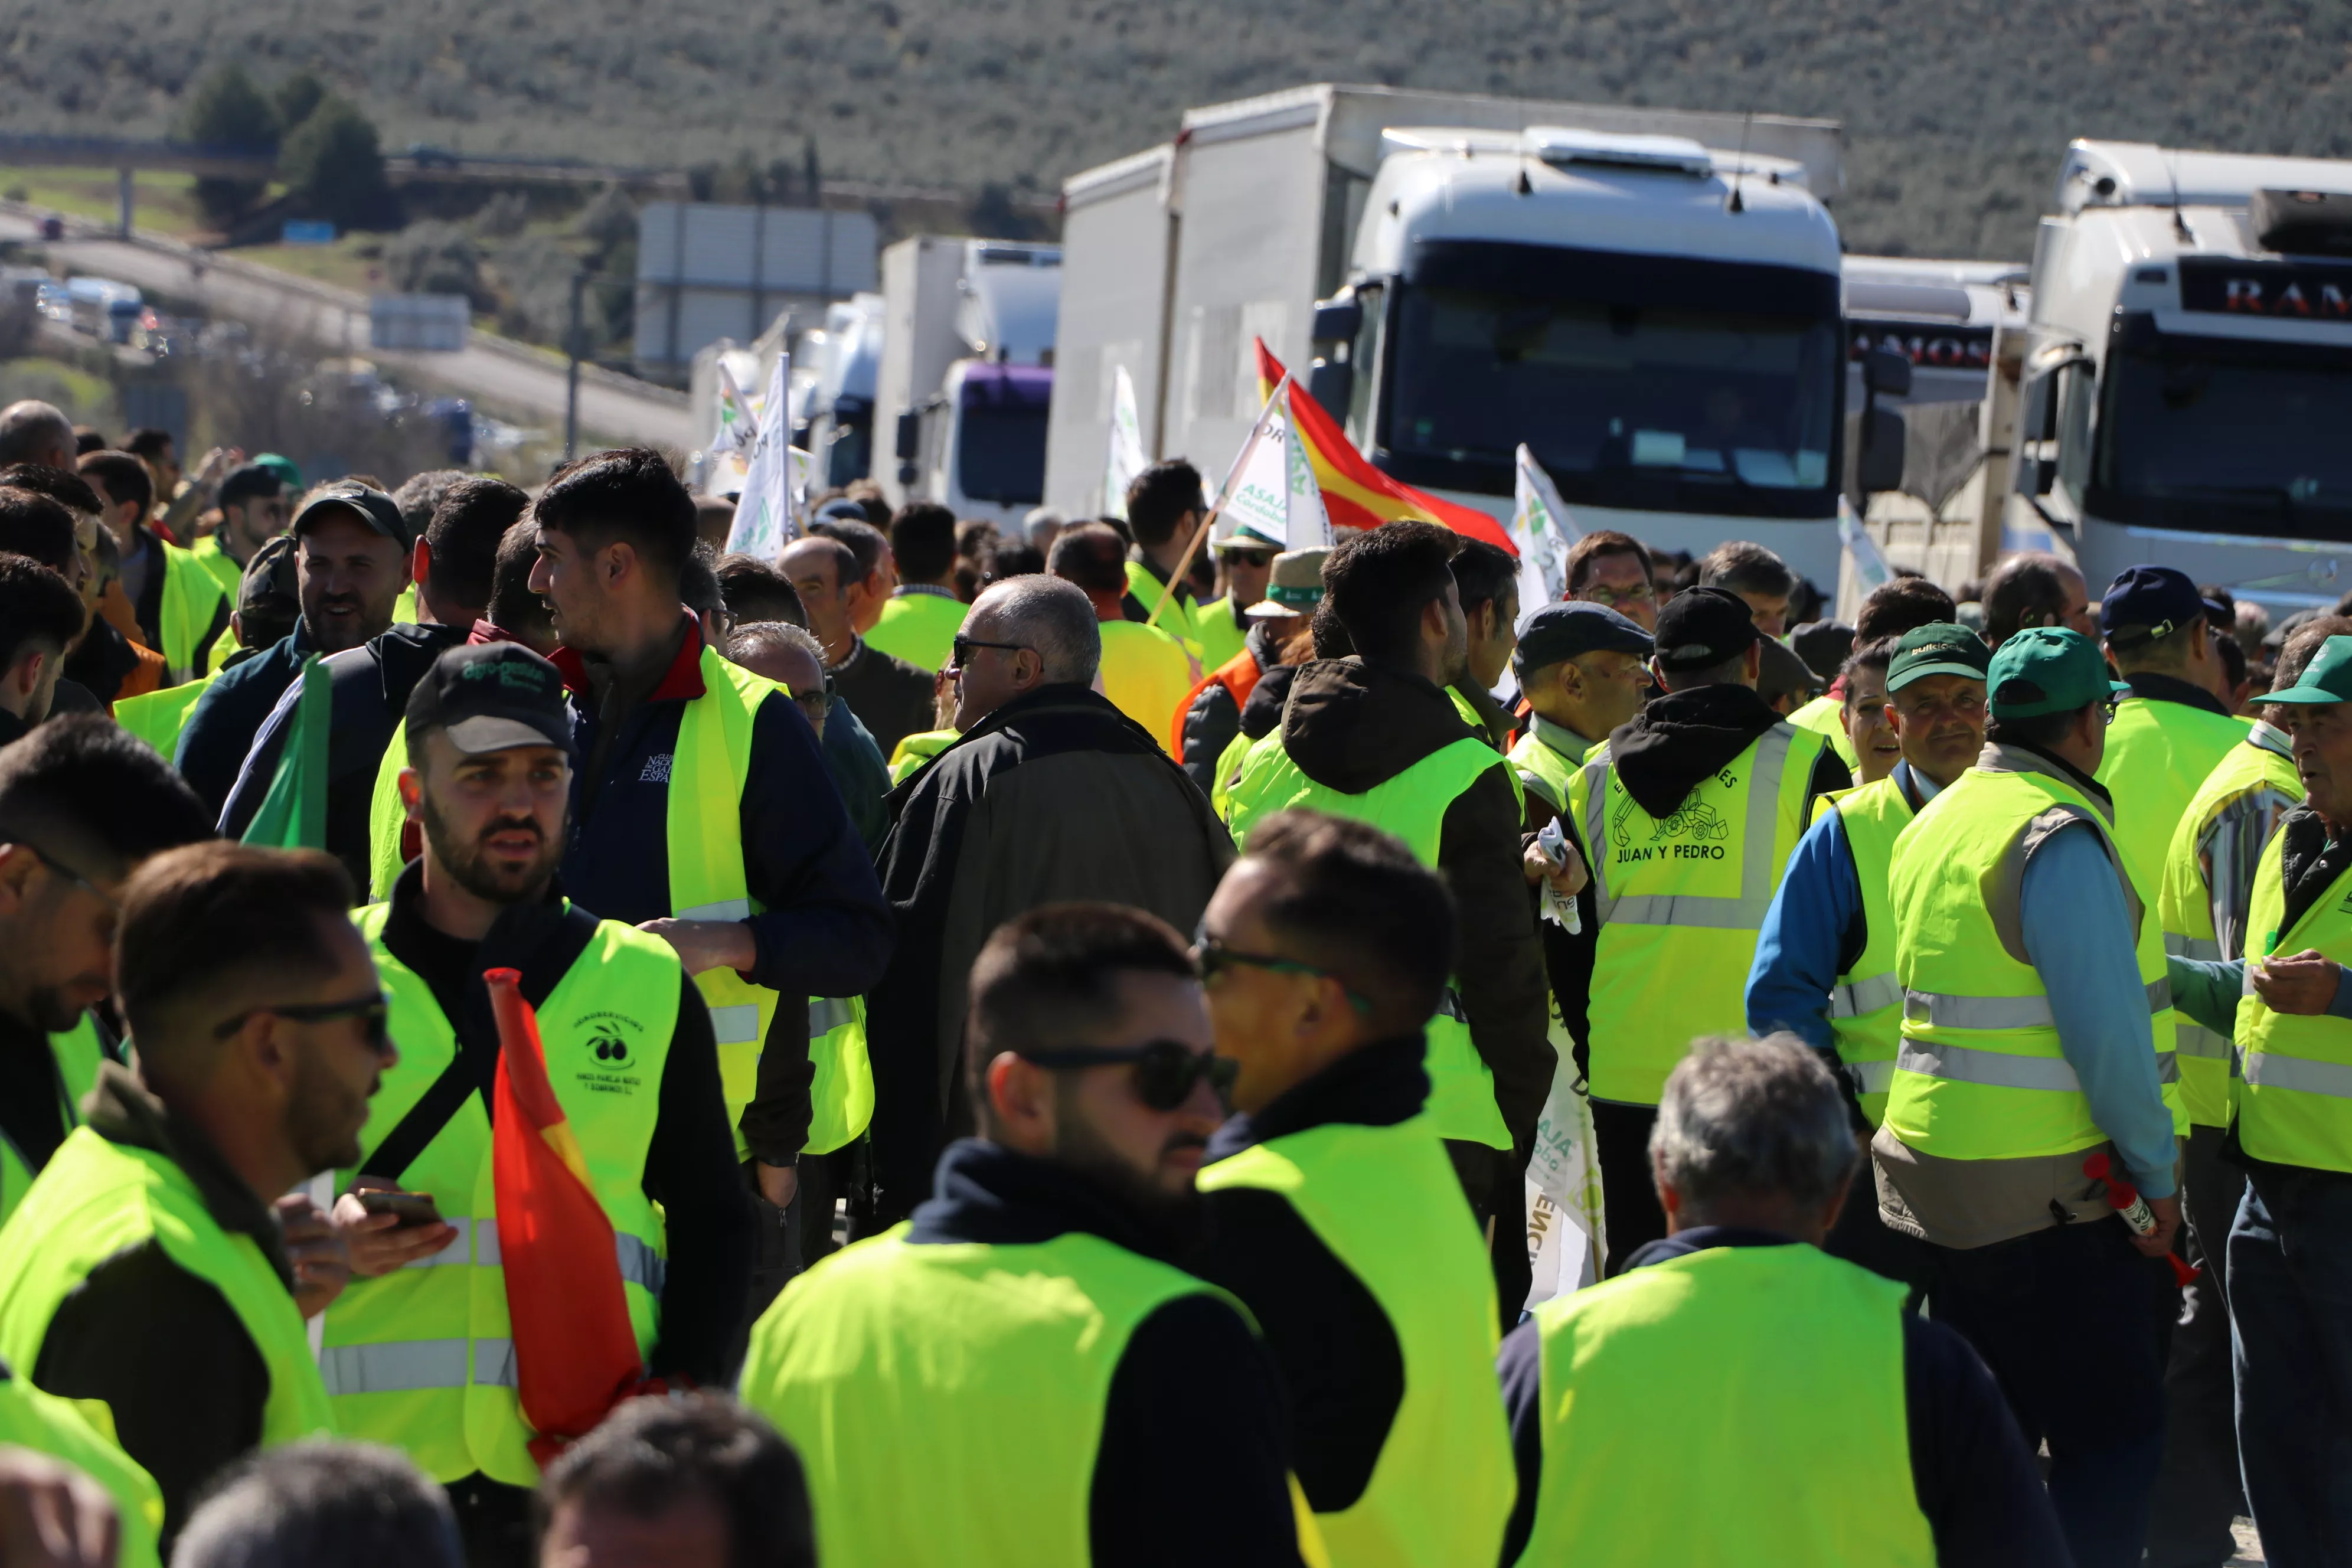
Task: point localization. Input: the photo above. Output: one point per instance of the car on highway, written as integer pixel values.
(429, 157)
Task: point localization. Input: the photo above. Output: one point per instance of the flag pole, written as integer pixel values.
(1257, 434)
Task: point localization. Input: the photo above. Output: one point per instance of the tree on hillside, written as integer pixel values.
(333, 165)
(296, 97)
(228, 111)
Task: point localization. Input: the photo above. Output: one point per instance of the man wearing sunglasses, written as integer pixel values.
(1330, 1209)
(1100, 1406)
(82, 805)
(420, 1351)
(1245, 562)
(146, 1267)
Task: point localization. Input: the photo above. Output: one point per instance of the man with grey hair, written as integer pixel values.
(1051, 795)
(1815, 1410)
(357, 1505)
(32, 431)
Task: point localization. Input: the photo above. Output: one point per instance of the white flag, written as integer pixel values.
(1126, 459)
(1542, 528)
(1274, 493)
(1869, 561)
(765, 519)
(738, 426)
(1311, 524)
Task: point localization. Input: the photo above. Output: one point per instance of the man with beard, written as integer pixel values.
(146, 1267)
(1100, 1406)
(353, 567)
(419, 1353)
(82, 805)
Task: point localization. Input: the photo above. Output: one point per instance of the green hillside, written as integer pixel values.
(1956, 109)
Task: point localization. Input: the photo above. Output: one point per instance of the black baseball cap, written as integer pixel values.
(270, 581)
(371, 505)
(1701, 627)
(1563, 630)
(251, 480)
(2144, 604)
(489, 696)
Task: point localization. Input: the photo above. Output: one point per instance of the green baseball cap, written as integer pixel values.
(282, 467)
(1940, 647)
(2326, 678)
(2049, 669)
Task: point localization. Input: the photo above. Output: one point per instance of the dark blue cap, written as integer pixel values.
(2147, 603)
(1550, 632)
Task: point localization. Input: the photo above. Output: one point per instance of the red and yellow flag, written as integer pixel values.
(1355, 493)
(575, 1353)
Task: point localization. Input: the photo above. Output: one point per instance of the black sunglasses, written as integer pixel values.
(1213, 958)
(1165, 1070)
(959, 650)
(372, 1011)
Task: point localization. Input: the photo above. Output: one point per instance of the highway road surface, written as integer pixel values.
(506, 379)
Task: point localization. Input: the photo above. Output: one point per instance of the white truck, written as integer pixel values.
(1649, 299)
(2189, 375)
(833, 412)
(966, 374)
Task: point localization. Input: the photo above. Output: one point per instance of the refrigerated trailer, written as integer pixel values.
(1649, 299)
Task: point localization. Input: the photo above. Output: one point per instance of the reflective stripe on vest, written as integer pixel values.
(1380, 1199)
(1819, 1348)
(1861, 996)
(1413, 806)
(1681, 900)
(2294, 1094)
(2002, 1012)
(606, 1029)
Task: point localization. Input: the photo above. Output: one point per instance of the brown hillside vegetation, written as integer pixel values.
(1956, 109)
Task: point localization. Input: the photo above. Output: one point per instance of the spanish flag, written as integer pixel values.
(575, 1353)
(1355, 493)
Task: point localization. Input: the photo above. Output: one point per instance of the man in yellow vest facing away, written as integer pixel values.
(1736, 1396)
(1329, 1210)
(2208, 889)
(922, 614)
(1020, 1373)
(2290, 1250)
(2172, 729)
(1824, 965)
(2036, 1036)
(146, 1268)
(418, 1351)
(82, 805)
(702, 810)
(1376, 736)
(1145, 671)
(1687, 818)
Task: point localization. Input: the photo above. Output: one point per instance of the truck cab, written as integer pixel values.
(837, 427)
(2189, 369)
(1660, 322)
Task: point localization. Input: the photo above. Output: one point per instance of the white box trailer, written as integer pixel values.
(436, 324)
(1177, 258)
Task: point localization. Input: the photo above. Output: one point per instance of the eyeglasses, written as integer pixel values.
(60, 868)
(1165, 1070)
(816, 704)
(373, 1013)
(960, 648)
(1247, 558)
(1214, 958)
(1612, 598)
(2108, 709)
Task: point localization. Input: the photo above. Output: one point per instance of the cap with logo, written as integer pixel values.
(270, 581)
(371, 506)
(1564, 630)
(2146, 604)
(2048, 669)
(490, 697)
(1939, 647)
(2326, 678)
(1701, 627)
(1293, 587)
(1244, 537)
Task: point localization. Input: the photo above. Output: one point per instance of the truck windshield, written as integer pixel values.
(2225, 438)
(1686, 387)
(1001, 440)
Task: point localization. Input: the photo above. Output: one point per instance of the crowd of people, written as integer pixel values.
(961, 1044)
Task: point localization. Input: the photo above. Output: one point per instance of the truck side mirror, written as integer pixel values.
(1886, 372)
(909, 439)
(2036, 475)
(1331, 385)
(1337, 321)
(1880, 466)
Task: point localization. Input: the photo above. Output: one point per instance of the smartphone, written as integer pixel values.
(414, 1209)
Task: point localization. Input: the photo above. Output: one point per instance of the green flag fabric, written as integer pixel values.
(293, 815)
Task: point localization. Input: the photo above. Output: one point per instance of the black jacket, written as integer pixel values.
(1056, 797)
(368, 689)
(103, 661)
(1341, 1362)
(225, 719)
(690, 1166)
(1975, 1478)
(1213, 717)
(1350, 726)
(1192, 1464)
(160, 1346)
(891, 697)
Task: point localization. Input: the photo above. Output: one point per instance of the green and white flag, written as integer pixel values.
(1126, 459)
(1541, 531)
(1273, 493)
(737, 424)
(765, 515)
(293, 815)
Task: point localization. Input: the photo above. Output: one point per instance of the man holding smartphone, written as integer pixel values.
(420, 1351)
